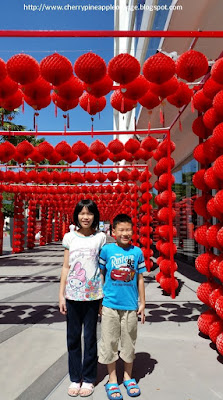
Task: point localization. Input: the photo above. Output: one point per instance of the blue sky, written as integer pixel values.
(16, 15)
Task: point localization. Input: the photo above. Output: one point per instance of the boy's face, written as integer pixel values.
(123, 233)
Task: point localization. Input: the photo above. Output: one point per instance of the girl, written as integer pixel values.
(80, 294)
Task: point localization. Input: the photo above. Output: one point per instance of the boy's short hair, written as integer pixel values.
(92, 207)
(121, 218)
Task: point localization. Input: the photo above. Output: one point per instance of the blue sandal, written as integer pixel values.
(131, 384)
(112, 388)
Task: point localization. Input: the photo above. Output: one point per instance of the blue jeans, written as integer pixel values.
(82, 313)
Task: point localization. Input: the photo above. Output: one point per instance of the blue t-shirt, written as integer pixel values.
(121, 266)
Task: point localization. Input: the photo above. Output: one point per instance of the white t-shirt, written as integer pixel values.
(83, 279)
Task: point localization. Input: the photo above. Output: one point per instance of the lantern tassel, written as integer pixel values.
(68, 121)
(55, 110)
(180, 125)
(192, 105)
(92, 127)
(88, 106)
(122, 105)
(161, 117)
(23, 106)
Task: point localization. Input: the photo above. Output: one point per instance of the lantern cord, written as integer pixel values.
(55, 110)
(68, 121)
(92, 127)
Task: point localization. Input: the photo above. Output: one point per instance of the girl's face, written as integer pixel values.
(85, 218)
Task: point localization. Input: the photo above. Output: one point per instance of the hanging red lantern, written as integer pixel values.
(25, 148)
(211, 88)
(123, 68)
(3, 71)
(38, 104)
(71, 89)
(36, 156)
(120, 103)
(200, 129)
(201, 102)
(63, 103)
(97, 147)
(100, 88)
(23, 68)
(7, 87)
(149, 143)
(182, 96)
(132, 145)
(159, 68)
(217, 71)
(100, 177)
(123, 176)
(211, 179)
(205, 320)
(92, 104)
(218, 168)
(198, 180)
(56, 69)
(218, 103)
(215, 330)
(149, 100)
(112, 176)
(166, 88)
(37, 89)
(12, 102)
(63, 148)
(135, 89)
(45, 149)
(200, 206)
(87, 157)
(102, 157)
(206, 152)
(218, 135)
(80, 148)
(90, 67)
(191, 65)
(211, 119)
(115, 146)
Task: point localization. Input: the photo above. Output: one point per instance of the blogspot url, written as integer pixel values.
(107, 7)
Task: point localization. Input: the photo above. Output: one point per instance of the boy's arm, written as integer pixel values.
(141, 289)
(63, 278)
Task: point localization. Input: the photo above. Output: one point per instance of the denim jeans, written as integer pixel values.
(82, 313)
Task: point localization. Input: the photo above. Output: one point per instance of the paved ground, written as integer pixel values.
(172, 361)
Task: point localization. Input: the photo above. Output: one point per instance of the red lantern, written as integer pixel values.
(112, 176)
(166, 88)
(120, 103)
(63, 103)
(211, 88)
(115, 146)
(158, 68)
(80, 148)
(201, 102)
(3, 71)
(97, 147)
(87, 157)
(132, 145)
(191, 65)
(23, 68)
(45, 149)
(215, 330)
(149, 143)
(182, 96)
(149, 100)
(12, 102)
(205, 320)
(135, 89)
(56, 69)
(63, 148)
(37, 89)
(25, 148)
(100, 88)
(7, 87)
(70, 89)
(211, 119)
(123, 68)
(38, 104)
(90, 67)
(200, 129)
(217, 71)
(218, 103)
(92, 104)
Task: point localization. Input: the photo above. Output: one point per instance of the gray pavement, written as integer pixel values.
(173, 362)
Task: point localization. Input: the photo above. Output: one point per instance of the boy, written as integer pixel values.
(122, 265)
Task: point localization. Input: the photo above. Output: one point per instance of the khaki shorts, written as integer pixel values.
(117, 325)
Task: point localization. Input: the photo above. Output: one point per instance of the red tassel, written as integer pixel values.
(122, 104)
(55, 110)
(65, 128)
(161, 117)
(34, 120)
(68, 121)
(149, 126)
(180, 125)
(36, 128)
(192, 105)
(88, 106)
(92, 127)
(23, 106)
(135, 123)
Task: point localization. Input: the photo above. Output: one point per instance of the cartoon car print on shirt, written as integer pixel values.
(123, 273)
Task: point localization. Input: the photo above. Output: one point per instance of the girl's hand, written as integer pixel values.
(141, 312)
(62, 306)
